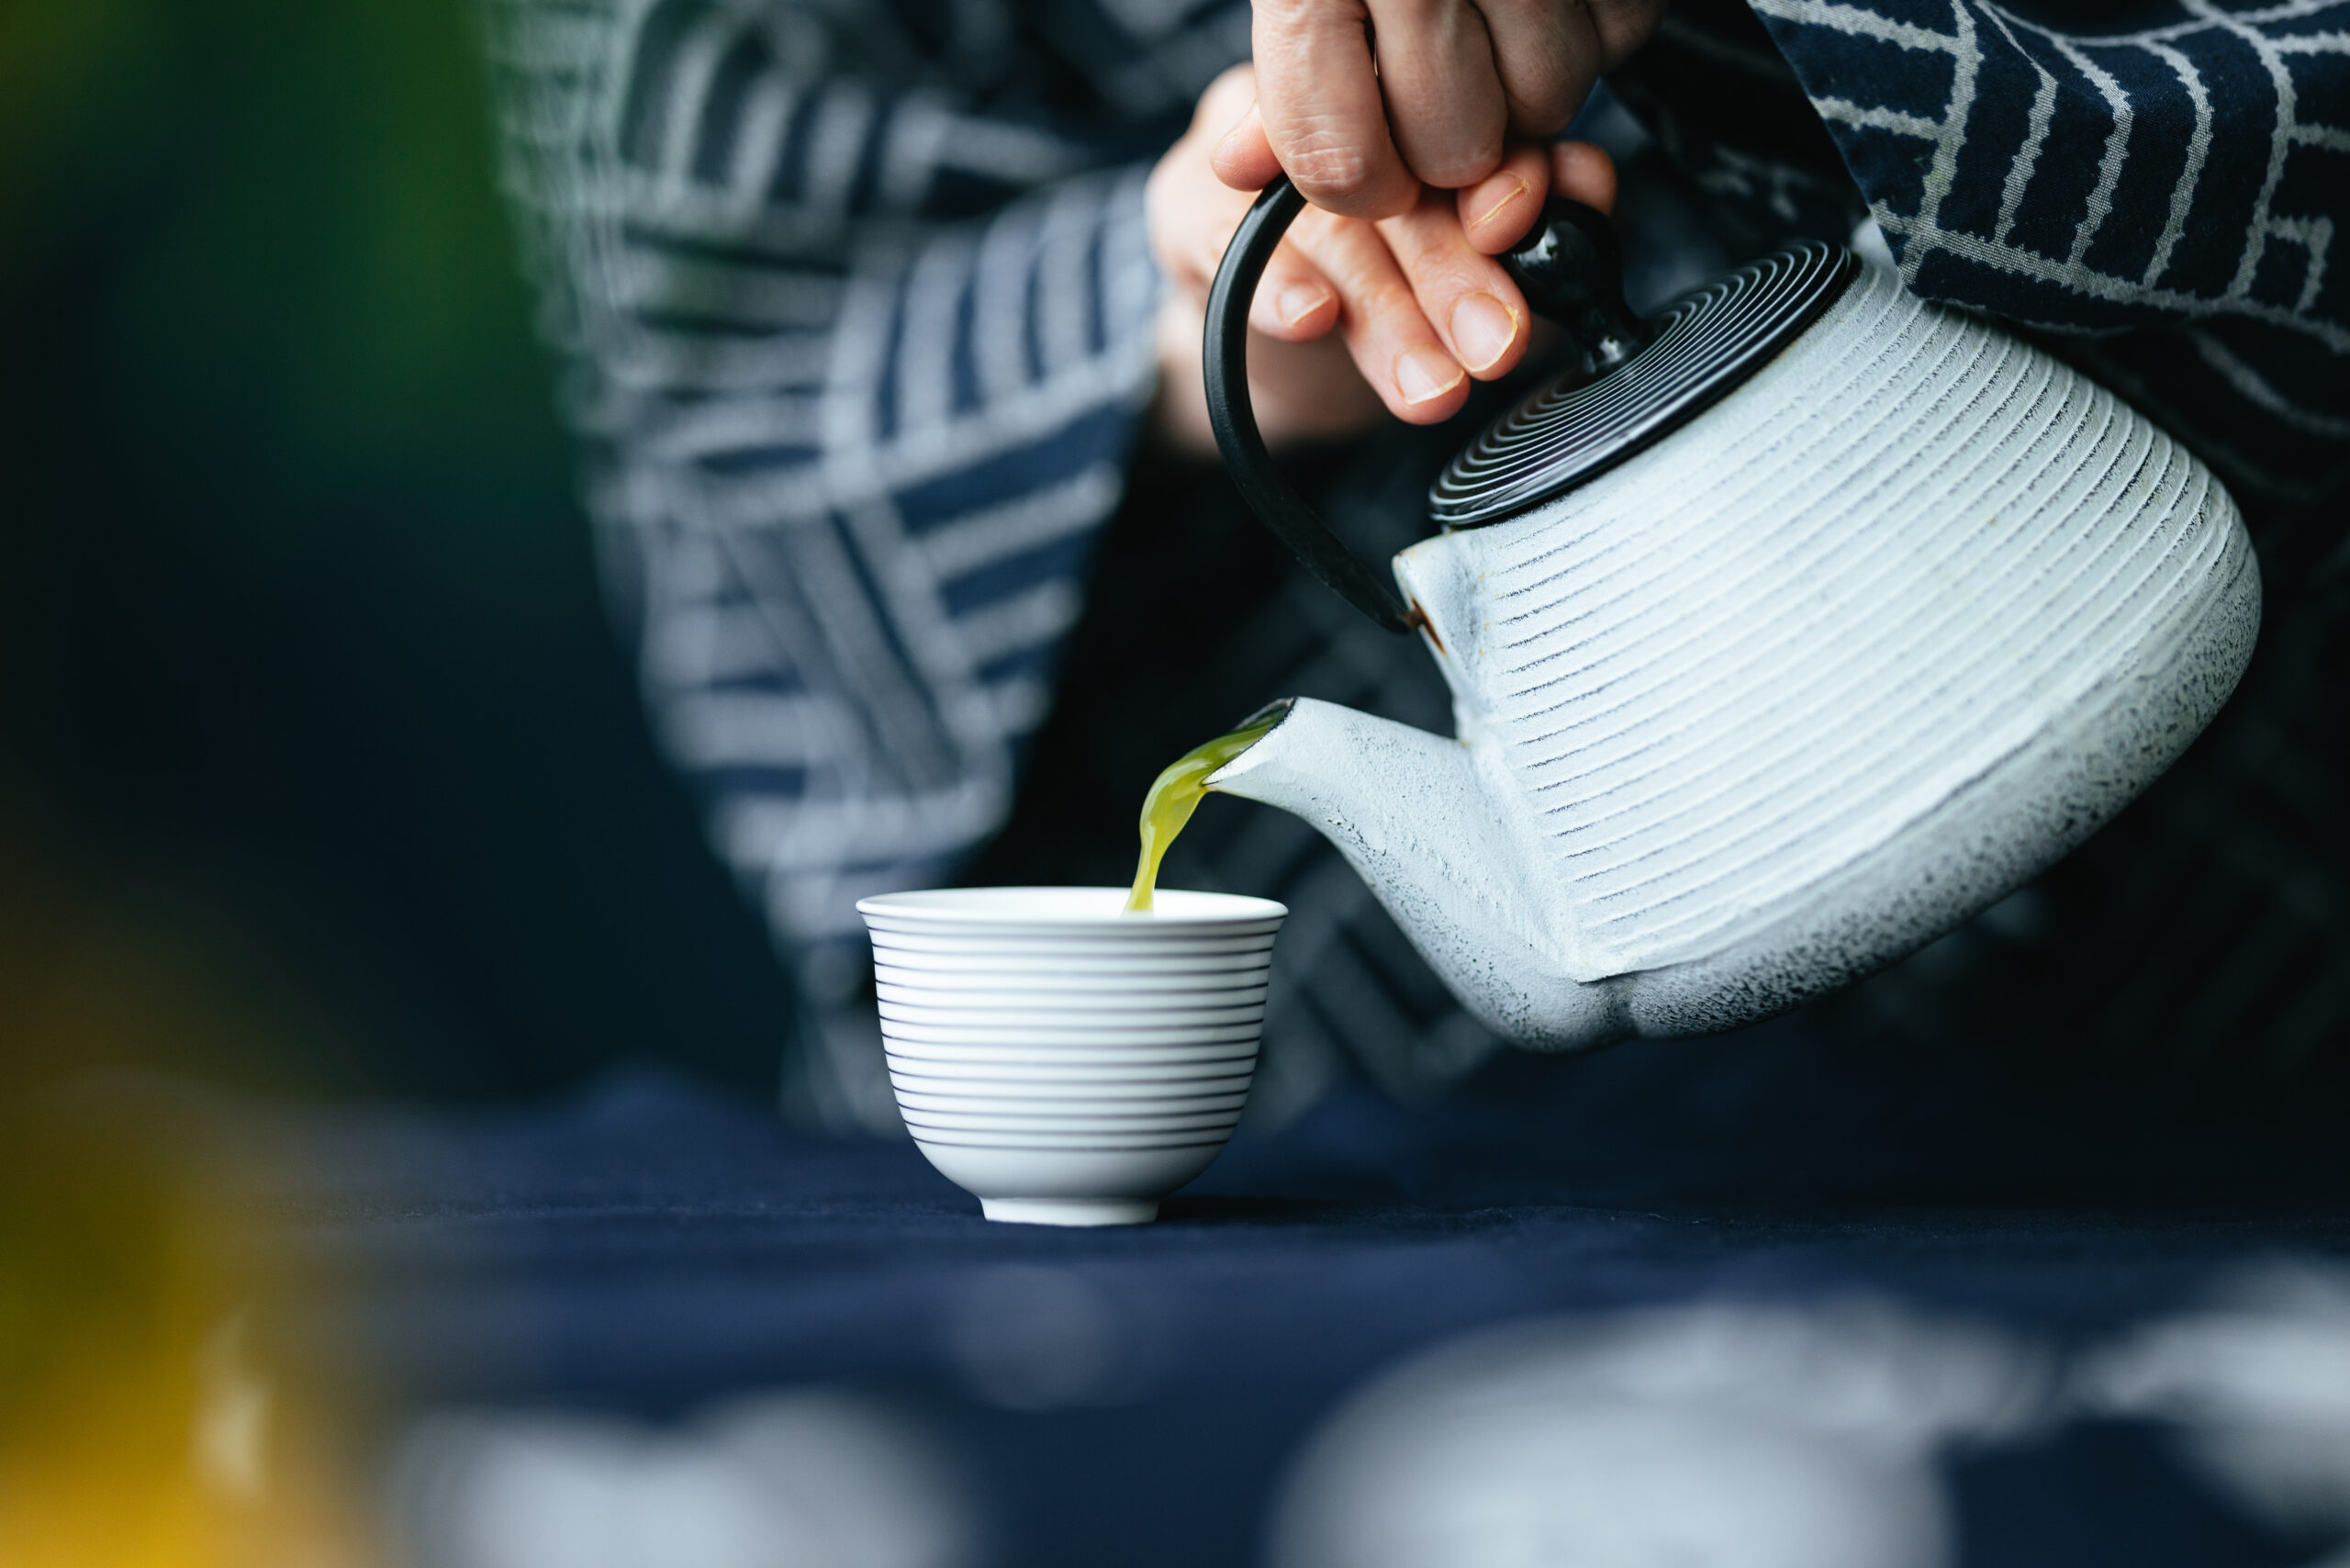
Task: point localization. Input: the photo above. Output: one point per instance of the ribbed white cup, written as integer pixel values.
(1063, 1060)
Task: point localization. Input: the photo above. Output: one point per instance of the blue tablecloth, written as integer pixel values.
(647, 1246)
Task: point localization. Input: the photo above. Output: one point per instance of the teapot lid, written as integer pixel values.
(1579, 425)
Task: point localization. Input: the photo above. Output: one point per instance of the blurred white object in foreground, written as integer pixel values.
(2259, 1387)
(1715, 1437)
(781, 1482)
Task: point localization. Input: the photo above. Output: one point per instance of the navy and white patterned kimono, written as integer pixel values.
(857, 311)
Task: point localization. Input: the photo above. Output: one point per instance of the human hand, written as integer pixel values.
(1351, 317)
(1363, 101)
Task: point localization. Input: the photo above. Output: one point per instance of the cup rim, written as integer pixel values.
(1091, 909)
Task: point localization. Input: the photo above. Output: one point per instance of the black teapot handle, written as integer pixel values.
(1570, 271)
(1225, 363)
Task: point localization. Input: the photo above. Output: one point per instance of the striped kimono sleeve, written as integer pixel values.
(854, 370)
(2164, 177)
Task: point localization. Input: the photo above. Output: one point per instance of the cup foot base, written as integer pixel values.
(1071, 1211)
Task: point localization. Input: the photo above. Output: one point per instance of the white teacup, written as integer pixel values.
(1066, 1062)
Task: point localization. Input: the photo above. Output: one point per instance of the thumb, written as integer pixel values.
(1244, 158)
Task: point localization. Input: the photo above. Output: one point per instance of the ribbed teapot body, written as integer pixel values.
(1872, 641)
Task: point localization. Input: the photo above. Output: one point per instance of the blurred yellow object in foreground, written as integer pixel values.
(136, 1429)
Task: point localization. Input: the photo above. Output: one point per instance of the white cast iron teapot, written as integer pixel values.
(1801, 622)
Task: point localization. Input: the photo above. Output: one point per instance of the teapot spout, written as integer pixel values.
(1409, 811)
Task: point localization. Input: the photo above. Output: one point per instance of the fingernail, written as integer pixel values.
(1422, 374)
(1298, 302)
(1229, 137)
(1516, 189)
(1483, 329)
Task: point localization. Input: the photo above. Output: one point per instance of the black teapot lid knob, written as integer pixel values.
(1572, 271)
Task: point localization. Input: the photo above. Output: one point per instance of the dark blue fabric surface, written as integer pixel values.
(648, 1245)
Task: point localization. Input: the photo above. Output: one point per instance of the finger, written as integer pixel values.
(1498, 210)
(1244, 158)
(1546, 55)
(1294, 302)
(1227, 114)
(1192, 221)
(1323, 113)
(1215, 213)
(1464, 294)
(1584, 172)
(1191, 217)
(1227, 100)
(1392, 344)
(1444, 105)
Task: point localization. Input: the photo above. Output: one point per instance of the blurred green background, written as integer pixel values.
(319, 765)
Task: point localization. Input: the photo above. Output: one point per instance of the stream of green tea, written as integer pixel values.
(1175, 795)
